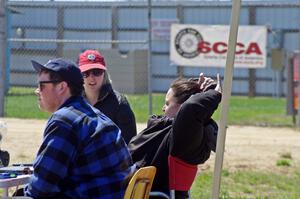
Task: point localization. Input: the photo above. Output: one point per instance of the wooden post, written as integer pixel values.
(225, 97)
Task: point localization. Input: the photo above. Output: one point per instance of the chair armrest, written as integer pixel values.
(159, 194)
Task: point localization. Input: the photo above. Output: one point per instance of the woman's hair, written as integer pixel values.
(183, 89)
(106, 78)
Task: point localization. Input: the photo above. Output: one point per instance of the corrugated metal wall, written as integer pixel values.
(128, 21)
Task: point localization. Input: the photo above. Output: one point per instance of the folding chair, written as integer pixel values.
(140, 184)
(181, 177)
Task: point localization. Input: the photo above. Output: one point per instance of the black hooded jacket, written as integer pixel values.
(191, 137)
(115, 106)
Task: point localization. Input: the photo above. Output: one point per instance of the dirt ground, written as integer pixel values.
(246, 147)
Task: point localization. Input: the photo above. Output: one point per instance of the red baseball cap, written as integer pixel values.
(91, 59)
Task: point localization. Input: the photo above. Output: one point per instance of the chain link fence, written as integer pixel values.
(53, 29)
(43, 30)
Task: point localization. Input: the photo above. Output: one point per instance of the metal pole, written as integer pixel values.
(2, 55)
(180, 16)
(114, 26)
(225, 97)
(60, 31)
(8, 48)
(252, 71)
(89, 41)
(149, 59)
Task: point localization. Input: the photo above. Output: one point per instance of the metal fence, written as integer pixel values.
(43, 30)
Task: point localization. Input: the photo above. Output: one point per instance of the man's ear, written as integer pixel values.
(62, 87)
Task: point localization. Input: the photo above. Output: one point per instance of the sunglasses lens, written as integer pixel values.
(40, 86)
(95, 73)
(85, 74)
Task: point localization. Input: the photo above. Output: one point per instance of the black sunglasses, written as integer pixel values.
(95, 72)
(41, 83)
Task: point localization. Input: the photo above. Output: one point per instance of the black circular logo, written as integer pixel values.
(186, 42)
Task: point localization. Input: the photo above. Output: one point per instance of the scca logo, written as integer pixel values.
(221, 48)
(186, 42)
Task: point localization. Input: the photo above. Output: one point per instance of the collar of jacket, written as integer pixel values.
(70, 100)
(162, 119)
(105, 91)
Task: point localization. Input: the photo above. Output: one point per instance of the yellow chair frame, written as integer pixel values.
(140, 184)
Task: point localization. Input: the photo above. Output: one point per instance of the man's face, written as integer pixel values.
(47, 93)
(171, 107)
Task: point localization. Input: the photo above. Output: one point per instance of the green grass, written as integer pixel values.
(284, 162)
(262, 111)
(22, 103)
(259, 111)
(249, 184)
(139, 104)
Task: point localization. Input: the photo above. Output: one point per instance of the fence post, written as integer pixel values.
(180, 17)
(2, 55)
(252, 71)
(149, 9)
(60, 31)
(296, 65)
(114, 26)
(290, 82)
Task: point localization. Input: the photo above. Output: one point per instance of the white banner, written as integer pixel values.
(206, 45)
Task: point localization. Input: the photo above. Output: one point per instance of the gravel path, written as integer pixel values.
(246, 146)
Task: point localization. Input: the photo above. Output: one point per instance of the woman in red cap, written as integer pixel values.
(99, 92)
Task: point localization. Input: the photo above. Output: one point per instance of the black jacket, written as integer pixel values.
(115, 106)
(190, 136)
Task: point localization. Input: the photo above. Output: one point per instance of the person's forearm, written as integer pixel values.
(188, 126)
(200, 106)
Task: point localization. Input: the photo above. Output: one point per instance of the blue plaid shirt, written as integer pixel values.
(82, 156)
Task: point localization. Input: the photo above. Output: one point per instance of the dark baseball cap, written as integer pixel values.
(67, 69)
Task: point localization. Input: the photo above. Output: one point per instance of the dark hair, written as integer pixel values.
(183, 89)
(75, 90)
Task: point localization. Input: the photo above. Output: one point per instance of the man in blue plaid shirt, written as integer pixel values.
(82, 154)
